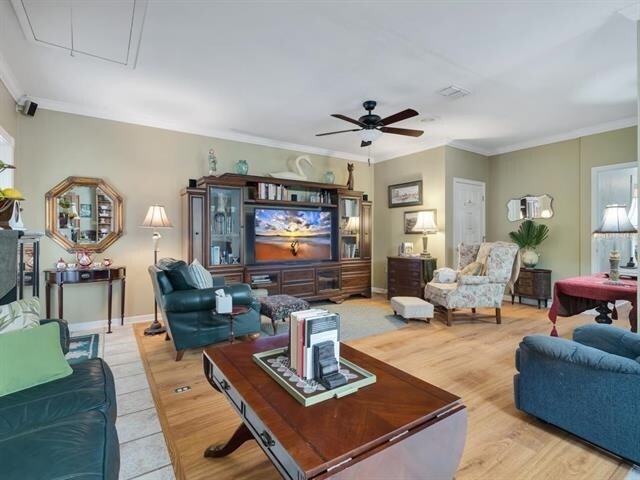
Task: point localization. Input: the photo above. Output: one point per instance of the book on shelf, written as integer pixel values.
(308, 328)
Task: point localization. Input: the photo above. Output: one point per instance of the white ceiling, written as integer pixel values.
(272, 72)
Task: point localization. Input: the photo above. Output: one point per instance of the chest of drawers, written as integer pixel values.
(407, 276)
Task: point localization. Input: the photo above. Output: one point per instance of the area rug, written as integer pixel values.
(83, 348)
(356, 321)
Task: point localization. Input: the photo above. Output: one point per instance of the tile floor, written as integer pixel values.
(143, 451)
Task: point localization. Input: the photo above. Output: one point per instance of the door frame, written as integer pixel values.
(457, 181)
(595, 221)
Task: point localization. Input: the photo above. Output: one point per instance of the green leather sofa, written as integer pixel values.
(190, 316)
(62, 429)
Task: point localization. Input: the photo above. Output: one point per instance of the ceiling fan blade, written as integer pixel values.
(365, 144)
(347, 119)
(338, 131)
(402, 131)
(403, 115)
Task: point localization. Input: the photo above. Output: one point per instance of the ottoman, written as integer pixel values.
(412, 307)
(279, 307)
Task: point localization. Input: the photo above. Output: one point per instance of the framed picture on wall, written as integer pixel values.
(85, 210)
(411, 217)
(405, 194)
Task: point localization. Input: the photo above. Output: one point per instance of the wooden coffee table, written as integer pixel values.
(400, 427)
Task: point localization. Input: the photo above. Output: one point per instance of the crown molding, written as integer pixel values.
(570, 135)
(146, 121)
(9, 79)
(462, 145)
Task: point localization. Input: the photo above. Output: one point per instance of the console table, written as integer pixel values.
(533, 283)
(357, 436)
(572, 296)
(60, 278)
(407, 276)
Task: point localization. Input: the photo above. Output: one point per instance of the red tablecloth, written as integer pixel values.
(572, 296)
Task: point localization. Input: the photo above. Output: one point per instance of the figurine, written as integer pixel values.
(61, 264)
(298, 174)
(84, 258)
(107, 262)
(213, 162)
(350, 180)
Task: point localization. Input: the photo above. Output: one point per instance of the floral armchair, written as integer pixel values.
(501, 262)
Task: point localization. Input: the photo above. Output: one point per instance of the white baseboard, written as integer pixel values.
(378, 290)
(115, 323)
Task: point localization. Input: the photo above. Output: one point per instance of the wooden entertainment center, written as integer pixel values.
(219, 230)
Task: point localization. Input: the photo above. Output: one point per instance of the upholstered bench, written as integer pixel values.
(279, 307)
(412, 307)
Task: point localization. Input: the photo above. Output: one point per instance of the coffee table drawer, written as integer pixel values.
(270, 444)
(224, 386)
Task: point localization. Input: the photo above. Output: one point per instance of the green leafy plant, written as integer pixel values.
(530, 234)
(64, 203)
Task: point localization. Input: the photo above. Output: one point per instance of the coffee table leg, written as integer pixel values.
(241, 435)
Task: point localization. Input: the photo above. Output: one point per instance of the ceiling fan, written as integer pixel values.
(372, 126)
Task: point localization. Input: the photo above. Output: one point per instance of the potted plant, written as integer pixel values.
(528, 237)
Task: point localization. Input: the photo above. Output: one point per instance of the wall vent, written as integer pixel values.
(453, 92)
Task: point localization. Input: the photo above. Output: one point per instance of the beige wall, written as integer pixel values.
(563, 170)
(8, 115)
(146, 165)
(428, 166)
(460, 164)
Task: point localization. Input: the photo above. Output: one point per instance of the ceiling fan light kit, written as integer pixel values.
(372, 126)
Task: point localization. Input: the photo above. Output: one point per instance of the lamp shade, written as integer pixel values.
(156, 218)
(353, 224)
(633, 209)
(426, 222)
(615, 222)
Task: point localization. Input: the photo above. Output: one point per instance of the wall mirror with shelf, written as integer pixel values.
(530, 207)
(83, 213)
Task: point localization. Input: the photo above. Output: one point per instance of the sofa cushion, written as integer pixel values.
(608, 338)
(84, 445)
(20, 314)
(201, 276)
(179, 275)
(31, 357)
(89, 387)
(474, 268)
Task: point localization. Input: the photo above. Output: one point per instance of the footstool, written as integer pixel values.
(279, 307)
(412, 307)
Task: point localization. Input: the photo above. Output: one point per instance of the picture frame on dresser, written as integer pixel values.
(408, 194)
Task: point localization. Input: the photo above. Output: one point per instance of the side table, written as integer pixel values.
(236, 310)
(533, 283)
(60, 278)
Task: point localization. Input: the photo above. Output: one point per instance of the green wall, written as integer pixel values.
(8, 114)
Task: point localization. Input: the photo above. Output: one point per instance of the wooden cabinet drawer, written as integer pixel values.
(233, 278)
(355, 282)
(356, 268)
(225, 387)
(293, 276)
(299, 289)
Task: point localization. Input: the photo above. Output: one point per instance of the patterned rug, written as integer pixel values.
(356, 320)
(83, 348)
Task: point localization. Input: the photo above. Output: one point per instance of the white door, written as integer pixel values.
(468, 212)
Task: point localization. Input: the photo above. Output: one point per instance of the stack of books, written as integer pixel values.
(272, 191)
(308, 328)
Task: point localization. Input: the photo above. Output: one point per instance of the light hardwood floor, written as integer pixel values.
(474, 360)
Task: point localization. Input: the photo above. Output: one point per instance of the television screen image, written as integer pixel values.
(286, 235)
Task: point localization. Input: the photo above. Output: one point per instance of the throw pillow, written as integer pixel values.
(200, 275)
(20, 314)
(179, 275)
(483, 255)
(30, 357)
(474, 268)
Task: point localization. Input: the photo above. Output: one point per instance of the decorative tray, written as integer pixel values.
(309, 392)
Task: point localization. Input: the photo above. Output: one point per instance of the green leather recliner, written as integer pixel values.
(190, 317)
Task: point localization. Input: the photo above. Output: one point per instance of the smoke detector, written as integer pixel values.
(453, 91)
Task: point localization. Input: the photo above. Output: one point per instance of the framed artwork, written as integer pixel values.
(405, 194)
(410, 219)
(85, 210)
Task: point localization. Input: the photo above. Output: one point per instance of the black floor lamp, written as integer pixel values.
(156, 218)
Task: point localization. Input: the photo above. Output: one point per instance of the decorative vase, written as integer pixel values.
(329, 177)
(530, 257)
(242, 167)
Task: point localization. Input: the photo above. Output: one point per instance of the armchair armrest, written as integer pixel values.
(609, 339)
(195, 300)
(473, 280)
(64, 331)
(240, 293)
(560, 349)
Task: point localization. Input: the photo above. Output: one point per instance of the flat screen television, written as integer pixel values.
(284, 235)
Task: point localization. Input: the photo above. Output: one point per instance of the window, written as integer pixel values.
(6, 156)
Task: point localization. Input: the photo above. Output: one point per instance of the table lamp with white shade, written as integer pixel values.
(156, 218)
(633, 218)
(615, 223)
(426, 223)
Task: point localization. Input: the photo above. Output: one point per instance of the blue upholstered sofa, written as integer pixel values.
(589, 387)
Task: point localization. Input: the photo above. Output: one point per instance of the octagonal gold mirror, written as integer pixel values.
(83, 213)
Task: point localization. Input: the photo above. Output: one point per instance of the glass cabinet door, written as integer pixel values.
(224, 225)
(349, 228)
